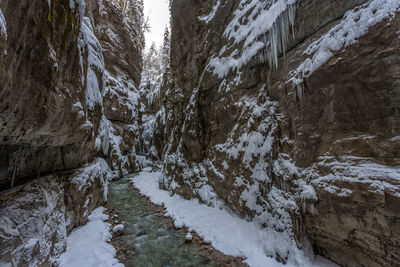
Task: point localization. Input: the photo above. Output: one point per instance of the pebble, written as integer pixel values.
(188, 237)
(118, 229)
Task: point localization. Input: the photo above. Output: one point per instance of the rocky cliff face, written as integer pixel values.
(35, 220)
(61, 83)
(69, 109)
(291, 119)
(284, 111)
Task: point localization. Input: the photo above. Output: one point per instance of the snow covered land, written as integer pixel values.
(87, 245)
(217, 225)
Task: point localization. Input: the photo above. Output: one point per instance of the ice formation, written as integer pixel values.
(154, 94)
(88, 44)
(268, 25)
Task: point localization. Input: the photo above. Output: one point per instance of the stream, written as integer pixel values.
(149, 238)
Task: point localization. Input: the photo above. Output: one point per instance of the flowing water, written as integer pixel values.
(149, 239)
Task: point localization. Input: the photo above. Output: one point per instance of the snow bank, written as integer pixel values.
(354, 25)
(87, 245)
(226, 232)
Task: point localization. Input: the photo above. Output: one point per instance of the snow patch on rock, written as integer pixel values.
(210, 16)
(98, 169)
(33, 225)
(3, 26)
(354, 25)
(379, 178)
(3, 30)
(267, 26)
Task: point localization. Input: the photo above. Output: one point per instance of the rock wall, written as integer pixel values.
(69, 109)
(40, 83)
(61, 82)
(35, 220)
(121, 36)
(287, 111)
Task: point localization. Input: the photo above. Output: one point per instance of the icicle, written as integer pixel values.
(276, 39)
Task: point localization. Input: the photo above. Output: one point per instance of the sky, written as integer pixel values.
(158, 13)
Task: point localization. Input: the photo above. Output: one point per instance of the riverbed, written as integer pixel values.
(150, 239)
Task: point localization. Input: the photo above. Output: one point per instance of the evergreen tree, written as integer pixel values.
(152, 67)
(134, 12)
(166, 50)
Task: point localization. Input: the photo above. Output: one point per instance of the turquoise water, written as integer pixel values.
(150, 239)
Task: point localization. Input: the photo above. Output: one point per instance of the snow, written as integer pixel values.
(254, 142)
(252, 147)
(3, 28)
(225, 165)
(354, 25)
(81, 6)
(263, 15)
(216, 225)
(396, 138)
(188, 237)
(210, 16)
(78, 105)
(267, 27)
(118, 229)
(110, 139)
(87, 245)
(100, 170)
(89, 45)
(379, 178)
(221, 66)
(33, 224)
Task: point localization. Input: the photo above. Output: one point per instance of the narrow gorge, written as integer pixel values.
(261, 133)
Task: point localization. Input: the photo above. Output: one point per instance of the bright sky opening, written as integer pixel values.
(158, 13)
